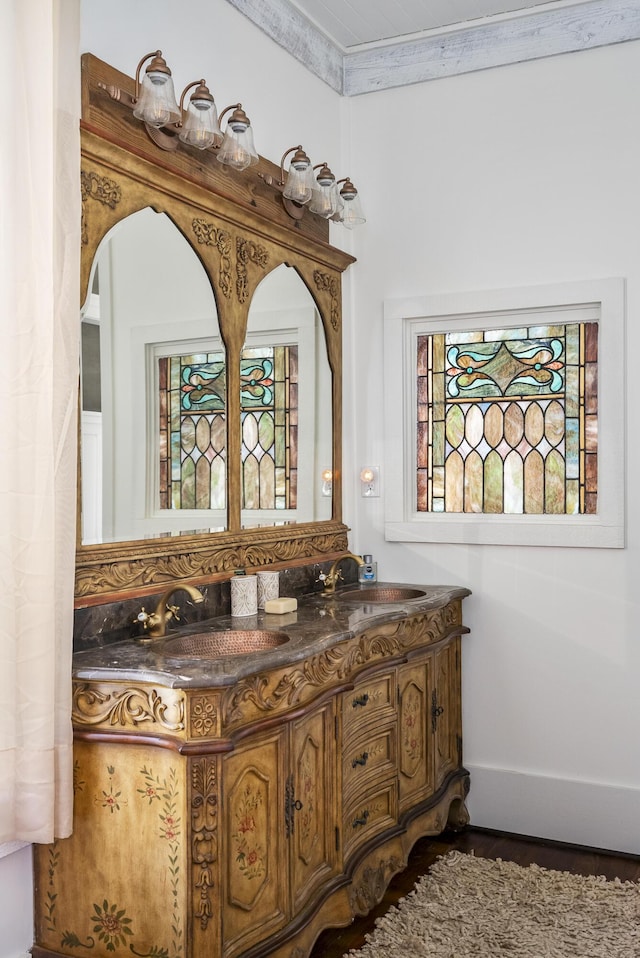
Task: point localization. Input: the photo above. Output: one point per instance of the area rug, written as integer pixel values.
(468, 907)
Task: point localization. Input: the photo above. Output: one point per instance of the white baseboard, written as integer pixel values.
(581, 813)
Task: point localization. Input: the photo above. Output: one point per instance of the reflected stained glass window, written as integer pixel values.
(192, 398)
(269, 419)
(507, 420)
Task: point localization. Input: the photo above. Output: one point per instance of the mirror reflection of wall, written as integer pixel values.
(153, 423)
(286, 414)
(151, 299)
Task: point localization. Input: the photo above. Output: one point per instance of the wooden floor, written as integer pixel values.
(335, 943)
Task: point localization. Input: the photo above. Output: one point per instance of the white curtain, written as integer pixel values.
(39, 294)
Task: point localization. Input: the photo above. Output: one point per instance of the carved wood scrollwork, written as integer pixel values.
(204, 835)
(97, 578)
(247, 252)
(128, 707)
(203, 716)
(365, 894)
(337, 663)
(209, 235)
(96, 187)
(327, 283)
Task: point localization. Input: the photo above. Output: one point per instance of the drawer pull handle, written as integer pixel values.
(359, 822)
(360, 701)
(360, 759)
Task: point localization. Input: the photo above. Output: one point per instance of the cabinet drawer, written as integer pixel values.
(371, 700)
(365, 816)
(368, 757)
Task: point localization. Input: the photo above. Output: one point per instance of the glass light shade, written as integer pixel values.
(237, 148)
(200, 123)
(325, 201)
(351, 213)
(156, 104)
(300, 180)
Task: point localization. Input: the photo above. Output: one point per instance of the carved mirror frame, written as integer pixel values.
(241, 232)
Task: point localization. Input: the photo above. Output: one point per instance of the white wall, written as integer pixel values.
(519, 175)
(516, 176)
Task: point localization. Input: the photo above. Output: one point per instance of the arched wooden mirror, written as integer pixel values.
(207, 287)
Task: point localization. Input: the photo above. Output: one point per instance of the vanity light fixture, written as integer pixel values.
(155, 99)
(350, 213)
(198, 124)
(319, 193)
(200, 127)
(325, 200)
(237, 148)
(327, 482)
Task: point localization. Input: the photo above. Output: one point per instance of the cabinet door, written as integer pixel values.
(255, 895)
(446, 717)
(415, 759)
(312, 803)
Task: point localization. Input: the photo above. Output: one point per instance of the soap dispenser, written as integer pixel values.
(369, 571)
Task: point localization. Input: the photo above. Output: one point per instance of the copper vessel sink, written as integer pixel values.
(375, 594)
(207, 645)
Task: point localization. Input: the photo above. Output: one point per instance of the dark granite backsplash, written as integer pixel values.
(102, 625)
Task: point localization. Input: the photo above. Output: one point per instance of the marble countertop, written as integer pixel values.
(319, 623)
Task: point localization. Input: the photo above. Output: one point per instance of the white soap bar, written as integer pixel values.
(278, 606)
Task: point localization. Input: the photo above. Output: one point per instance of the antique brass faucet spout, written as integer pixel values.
(335, 573)
(155, 623)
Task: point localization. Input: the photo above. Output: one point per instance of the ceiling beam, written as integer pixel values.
(465, 49)
(290, 29)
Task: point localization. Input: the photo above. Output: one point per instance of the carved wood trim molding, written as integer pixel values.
(203, 802)
(127, 707)
(142, 565)
(330, 284)
(247, 251)
(96, 187)
(209, 235)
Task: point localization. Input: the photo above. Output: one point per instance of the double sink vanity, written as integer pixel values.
(239, 783)
(243, 783)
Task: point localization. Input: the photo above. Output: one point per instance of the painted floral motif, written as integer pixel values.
(50, 904)
(111, 799)
(165, 790)
(411, 741)
(111, 925)
(250, 855)
(307, 813)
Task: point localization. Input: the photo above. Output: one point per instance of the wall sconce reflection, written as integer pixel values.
(327, 482)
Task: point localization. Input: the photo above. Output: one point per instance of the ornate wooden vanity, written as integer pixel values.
(235, 805)
(239, 806)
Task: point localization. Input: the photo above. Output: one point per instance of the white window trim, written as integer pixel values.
(405, 319)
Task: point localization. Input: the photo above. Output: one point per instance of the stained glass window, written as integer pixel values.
(507, 420)
(192, 404)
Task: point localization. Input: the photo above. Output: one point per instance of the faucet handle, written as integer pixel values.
(144, 618)
(175, 611)
(321, 577)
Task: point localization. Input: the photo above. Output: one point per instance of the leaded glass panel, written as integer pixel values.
(507, 420)
(192, 441)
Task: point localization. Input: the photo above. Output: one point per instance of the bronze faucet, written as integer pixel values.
(334, 575)
(155, 623)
